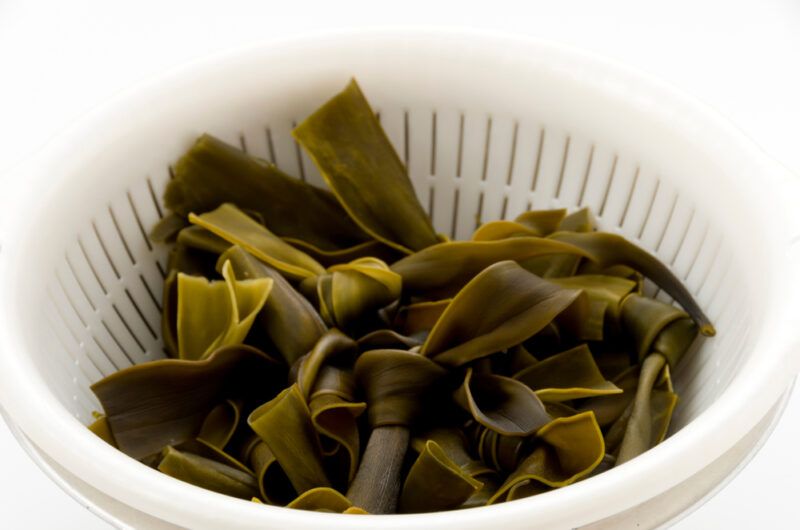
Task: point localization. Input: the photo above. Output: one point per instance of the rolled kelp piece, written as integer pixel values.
(396, 384)
(662, 334)
(349, 291)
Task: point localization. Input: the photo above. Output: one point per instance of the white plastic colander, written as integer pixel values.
(489, 126)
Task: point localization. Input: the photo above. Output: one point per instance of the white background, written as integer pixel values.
(59, 60)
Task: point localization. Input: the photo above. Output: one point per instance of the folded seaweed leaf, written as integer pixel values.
(516, 359)
(525, 488)
(537, 223)
(501, 307)
(606, 294)
(560, 266)
(656, 326)
(357, 160)
(355, 289)
(496, 230)
(220, 424)
(273, 484)
(236, 227)
(291, 322)
(187, 260)
(330, 346)
(571, 374)
(321, 500)
(387, 339)
(212, 314)
(442, 270)
(330, 393)
(435, 483)
(610, 249)
(205, 449)
(197, 237)
(335, 418)
(212, 173)
(608, 409)
(367, 249)
(420, 317)
(395, 384)
(285, 425)
(208, 474)
(581, 221)
(102, 429)
(567, 450)
(662, 405)
(500, 452)
(545, 222)
(501, 404)
(648, 419)
(454, 444)
(151, 405)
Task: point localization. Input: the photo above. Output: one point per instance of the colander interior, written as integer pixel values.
(482, 138)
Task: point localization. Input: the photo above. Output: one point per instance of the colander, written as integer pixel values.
(489, 126)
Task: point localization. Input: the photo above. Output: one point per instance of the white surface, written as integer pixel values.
(719, 55)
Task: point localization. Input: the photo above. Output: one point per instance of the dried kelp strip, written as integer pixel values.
(208, 474)
(212, 314)
(357, 160)
(349, 291)
(238, 228)
(612, 249)
(290, 321)
(501, 307)
(571, 374)
(221, 423)
(440, 271)
(155, 404)
(212, 173)
(273, 484)
(367, 249)
(285, 425)
(395, 384)
(419, 318)
(321, 500)
(567, 450)
(537, 223)
(501, 404)
(435, 483)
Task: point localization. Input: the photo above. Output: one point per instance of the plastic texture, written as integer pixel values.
(488, 126)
